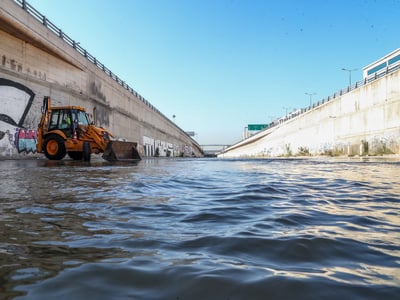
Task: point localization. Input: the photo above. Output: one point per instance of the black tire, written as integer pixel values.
(54, 147)
(86, 151)
(75, 155)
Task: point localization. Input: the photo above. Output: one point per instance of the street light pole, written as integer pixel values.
(286, 109)
(310, 94)
(349, 70)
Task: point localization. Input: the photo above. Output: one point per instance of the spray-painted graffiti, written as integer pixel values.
(25, 140)
(15, 103)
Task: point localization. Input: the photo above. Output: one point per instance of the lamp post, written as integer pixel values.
(173, 116)
(286, 109)
(310, 94)
(349, 70)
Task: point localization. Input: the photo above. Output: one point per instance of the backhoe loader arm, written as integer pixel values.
(42, 127)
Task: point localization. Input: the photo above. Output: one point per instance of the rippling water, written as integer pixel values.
(200, 229)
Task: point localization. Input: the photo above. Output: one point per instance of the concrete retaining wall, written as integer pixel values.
(365, 121)
(35, 62)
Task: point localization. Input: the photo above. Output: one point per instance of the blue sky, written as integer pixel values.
(219, 65)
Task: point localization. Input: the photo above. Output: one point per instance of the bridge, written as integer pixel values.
(212, 150)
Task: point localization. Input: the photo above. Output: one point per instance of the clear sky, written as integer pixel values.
(219, 65)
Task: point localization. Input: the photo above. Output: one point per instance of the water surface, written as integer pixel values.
(200, 229)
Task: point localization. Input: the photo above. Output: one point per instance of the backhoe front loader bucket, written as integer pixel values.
(121, 151)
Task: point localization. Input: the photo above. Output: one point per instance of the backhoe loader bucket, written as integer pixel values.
(120, 151)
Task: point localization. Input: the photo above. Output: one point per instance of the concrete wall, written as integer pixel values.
(35, 62)
(365, 121)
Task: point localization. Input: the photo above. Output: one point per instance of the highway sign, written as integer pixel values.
(254, 127)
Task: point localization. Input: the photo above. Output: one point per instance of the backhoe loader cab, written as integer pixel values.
(67, 130)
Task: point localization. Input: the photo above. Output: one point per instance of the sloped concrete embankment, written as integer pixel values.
(365, 121)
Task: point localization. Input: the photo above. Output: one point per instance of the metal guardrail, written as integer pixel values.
(57, 31)
(388, 70)
(375, 76)
(358, 84)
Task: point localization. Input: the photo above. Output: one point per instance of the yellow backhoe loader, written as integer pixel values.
(67, 130)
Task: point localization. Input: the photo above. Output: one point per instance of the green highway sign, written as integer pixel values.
(253, 127)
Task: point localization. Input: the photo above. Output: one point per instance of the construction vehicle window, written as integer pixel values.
(60, 119)
(54, 119)
(65, 120)
(82, 118)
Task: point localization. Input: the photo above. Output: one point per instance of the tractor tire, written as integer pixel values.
(54, 147)
(86, 151)
(75, 155)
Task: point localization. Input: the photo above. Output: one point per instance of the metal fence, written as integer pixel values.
(41, 18)
(381, 73)
(57, 31)
(375, 76)
(388, 70)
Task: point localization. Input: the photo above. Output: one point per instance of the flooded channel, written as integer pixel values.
(200, 229)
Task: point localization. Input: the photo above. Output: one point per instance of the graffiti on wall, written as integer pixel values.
(15, 103)
(25, 140)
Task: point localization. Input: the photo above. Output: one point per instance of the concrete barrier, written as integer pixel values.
(364, 121)
(38, 60)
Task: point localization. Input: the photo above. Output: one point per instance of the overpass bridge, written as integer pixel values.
(212, 150)
(38, 59)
